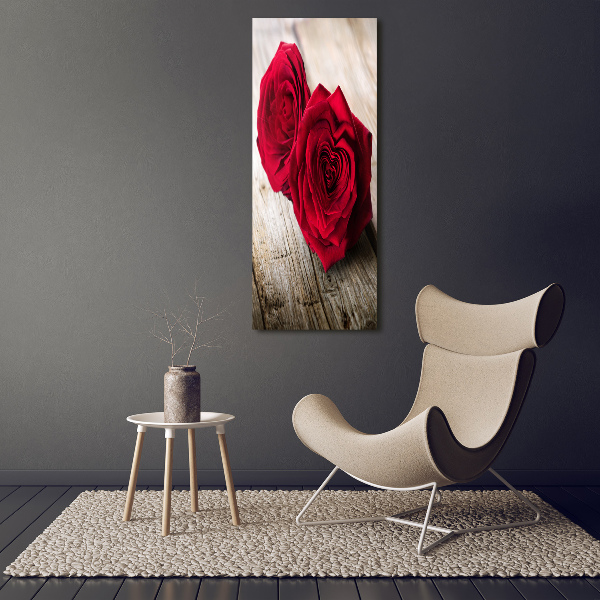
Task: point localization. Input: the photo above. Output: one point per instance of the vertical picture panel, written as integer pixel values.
(314, 174)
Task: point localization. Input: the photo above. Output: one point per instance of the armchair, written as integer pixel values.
(476, 370)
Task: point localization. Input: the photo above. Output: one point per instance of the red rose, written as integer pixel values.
(283, 97)
(330, 176)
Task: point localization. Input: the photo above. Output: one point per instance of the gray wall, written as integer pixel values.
(125, 170)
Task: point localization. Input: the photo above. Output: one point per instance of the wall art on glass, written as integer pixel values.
(314, 174)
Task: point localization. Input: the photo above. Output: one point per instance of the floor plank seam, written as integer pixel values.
(594, 508)
(38, 517)
(21, 505)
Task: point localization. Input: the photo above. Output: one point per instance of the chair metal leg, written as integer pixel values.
(425, 527)
(361, 520)
(434, 500)
(516, 492)
(314, 497)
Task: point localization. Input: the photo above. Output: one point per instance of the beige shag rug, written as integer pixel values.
(90, 539)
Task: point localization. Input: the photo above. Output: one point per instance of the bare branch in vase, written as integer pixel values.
(181, 330)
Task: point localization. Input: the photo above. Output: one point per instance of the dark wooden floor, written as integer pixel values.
(26, 511)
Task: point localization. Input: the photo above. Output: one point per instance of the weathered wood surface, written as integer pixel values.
(290, 289)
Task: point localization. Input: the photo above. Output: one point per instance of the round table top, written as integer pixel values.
(157, 419)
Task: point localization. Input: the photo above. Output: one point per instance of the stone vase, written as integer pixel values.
(182, 395)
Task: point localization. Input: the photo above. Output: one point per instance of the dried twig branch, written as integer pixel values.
(186, 324)
(198, 302)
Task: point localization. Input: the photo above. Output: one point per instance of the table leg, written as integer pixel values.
(193, 472)
(235, 516)
(135, 466)
(166, 518)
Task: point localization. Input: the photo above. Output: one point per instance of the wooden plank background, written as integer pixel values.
(290, 289)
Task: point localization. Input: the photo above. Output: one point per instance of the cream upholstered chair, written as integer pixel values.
(476, 370)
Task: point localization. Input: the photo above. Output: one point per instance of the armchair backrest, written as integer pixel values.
(478, 364)
(488, 330)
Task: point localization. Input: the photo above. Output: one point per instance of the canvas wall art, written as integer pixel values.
(314, 174)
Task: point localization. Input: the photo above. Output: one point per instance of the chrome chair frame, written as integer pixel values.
(434, 500)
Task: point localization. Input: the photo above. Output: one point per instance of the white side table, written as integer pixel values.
(156, 420)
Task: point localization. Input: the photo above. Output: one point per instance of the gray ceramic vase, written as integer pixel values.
(182, 395)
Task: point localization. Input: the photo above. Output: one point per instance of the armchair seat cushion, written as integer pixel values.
(397, 458)
(423, 449)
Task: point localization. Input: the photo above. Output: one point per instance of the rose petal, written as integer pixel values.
(330, 176)
(284, 94)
